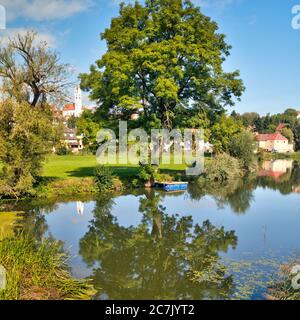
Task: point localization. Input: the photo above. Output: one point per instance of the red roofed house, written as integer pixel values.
(298, 116)
(274, 142)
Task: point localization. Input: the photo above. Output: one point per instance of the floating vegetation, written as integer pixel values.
(252, 277)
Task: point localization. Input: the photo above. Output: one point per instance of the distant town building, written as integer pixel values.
(274, 142)
(76, 108)
(72, 140)
(298, 116)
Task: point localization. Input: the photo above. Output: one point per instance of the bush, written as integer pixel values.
(162, 177)
(242, 147)
(25, 139)
(39, 271)
(223, 168)
(148, 174)
(63, 151)
(104, 178)
(67, 187)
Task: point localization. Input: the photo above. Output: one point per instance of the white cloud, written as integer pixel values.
(41, 36)
(41, 10)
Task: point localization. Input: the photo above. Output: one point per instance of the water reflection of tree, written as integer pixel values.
(238, 194)
(34, 222)
(164, 257)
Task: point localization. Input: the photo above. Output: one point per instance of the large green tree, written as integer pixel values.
(163, 56)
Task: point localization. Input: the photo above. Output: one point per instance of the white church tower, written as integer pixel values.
(78, 101)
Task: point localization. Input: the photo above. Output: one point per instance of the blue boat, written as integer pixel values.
(172, 186)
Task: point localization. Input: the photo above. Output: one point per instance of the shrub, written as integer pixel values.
(223, 168)
(63, 151)
(148, 174)
(25, 139)
(38, 271)
(104, 178)
(118, 184)
(242, 147)
(68, 187)
(162, 177)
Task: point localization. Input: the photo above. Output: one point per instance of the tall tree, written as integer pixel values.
(31, 71)
(163, 56)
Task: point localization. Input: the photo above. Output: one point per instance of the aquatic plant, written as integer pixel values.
(38, 271)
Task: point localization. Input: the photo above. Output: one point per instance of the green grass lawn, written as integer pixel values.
(72, 166)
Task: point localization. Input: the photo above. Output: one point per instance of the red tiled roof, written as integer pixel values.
(271, 137)
(69, 107)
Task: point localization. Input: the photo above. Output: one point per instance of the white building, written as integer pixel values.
(74, 109)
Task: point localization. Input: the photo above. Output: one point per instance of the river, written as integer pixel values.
(223, 242)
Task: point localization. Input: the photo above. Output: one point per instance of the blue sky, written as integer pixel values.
(265, 46)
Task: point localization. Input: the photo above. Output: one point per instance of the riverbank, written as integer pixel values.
(35, 270)
(72, 175)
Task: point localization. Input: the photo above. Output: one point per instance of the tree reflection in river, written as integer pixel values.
(239, 193)
(164, 257)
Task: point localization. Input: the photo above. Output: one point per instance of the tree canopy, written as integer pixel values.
(30, 71)
(163, 57)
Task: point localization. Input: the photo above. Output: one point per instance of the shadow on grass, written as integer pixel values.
(120, 171)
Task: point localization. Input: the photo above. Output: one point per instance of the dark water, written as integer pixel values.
(222, 242)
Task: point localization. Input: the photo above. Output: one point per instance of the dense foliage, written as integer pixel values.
(104, 178)
(222, 168)
(162, 57)
(26, 136)
(242, 147)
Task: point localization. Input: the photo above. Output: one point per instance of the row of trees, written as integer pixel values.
(269, 123)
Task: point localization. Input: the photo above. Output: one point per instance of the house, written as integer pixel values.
(274, 142)
(72, 140)
(298, 115)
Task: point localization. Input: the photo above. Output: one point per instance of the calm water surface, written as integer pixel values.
(224, 242)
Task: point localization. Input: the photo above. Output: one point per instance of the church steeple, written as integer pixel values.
(78, 101)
